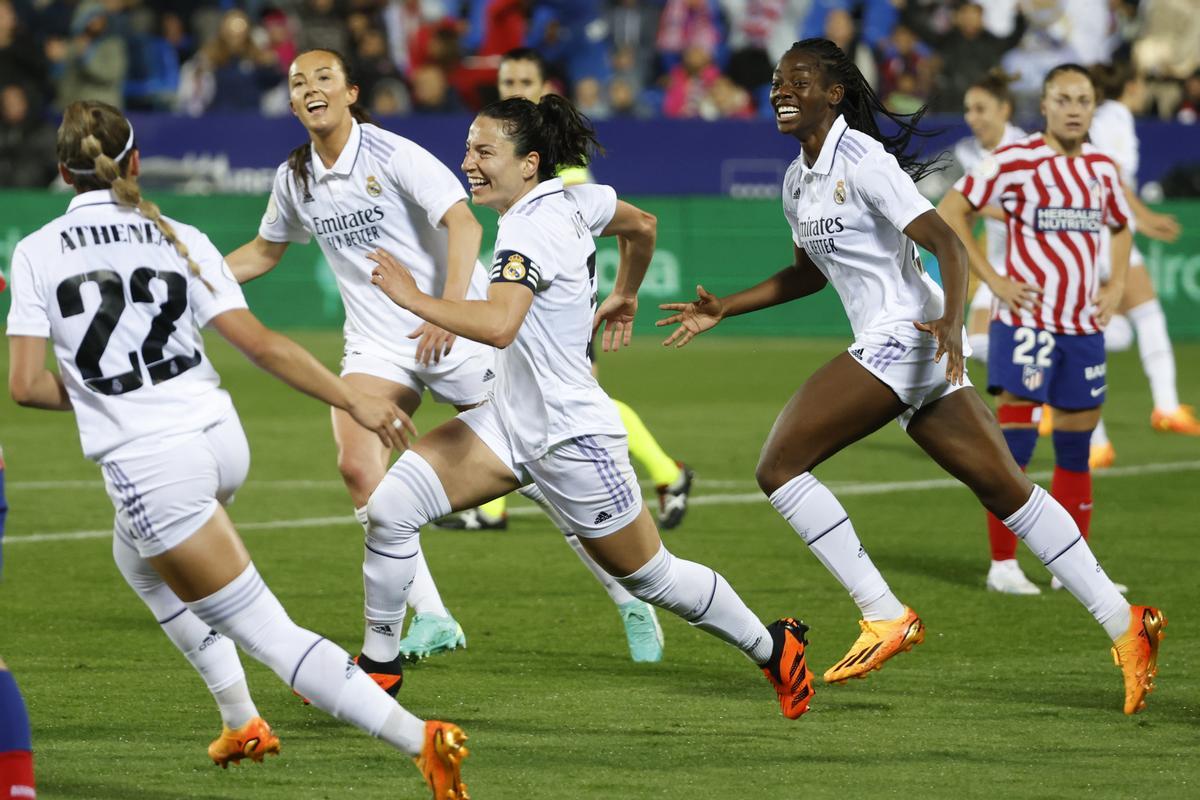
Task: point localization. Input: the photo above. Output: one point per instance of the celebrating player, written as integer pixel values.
(1113, 133)
(523, 74)
(356, 187)
(122, 291)
(855, 214)
(549, 423)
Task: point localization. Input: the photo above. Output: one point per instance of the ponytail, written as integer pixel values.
(861, 106)
(553, 128)
(1110, 80)
(299, 159)
(88, 129)
(998, 84)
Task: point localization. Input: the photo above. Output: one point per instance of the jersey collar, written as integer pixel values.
(552, 186)
(345, 162)
(96, 197)
(829, 148)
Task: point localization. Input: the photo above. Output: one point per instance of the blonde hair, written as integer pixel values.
(91, 130)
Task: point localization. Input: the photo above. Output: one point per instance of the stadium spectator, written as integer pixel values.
(432, 92)
(841, 30)
(633, 27)
(570, 35)
(92, 64)
(1189, 109)
(390, 98)
(231, 72)
(726, 100)
(904, 59)
(878, 17)
(404, 20)
(590, 99)
(689, 83)
(26, 141)
(21, 57)
(688, 24)
(757, 30)
(967, 51)
(281, 35)
(373, 64)
(623, 100)
(322, 25)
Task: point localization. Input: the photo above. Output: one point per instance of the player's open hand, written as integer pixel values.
(948, 334)
(382, 416)
(1161, 227)
(1105, 302)
(393, 278)
(433, 343)
(693, 318)
(616, 314)
(1015, 295)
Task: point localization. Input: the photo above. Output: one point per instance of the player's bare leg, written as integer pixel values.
(959, 433)
(838, 405)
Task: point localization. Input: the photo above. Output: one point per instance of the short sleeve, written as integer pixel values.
(28, 315)
(983, 183)
(424, 180)
(1117, 213)
(888, 190)
(1116, 138)
(222, 292)
(597, 203)
(519, 246)
(280, 222)
(790, 196)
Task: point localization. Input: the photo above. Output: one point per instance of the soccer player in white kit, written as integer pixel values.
(356, 187)
(122, 293)
(855, 214)
(548, 421)
(1113, 132)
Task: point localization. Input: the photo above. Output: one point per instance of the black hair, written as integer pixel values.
(552, 128)
(526, 54)
(1063, 69)
(998, 84)
(860, 105)
(298, 160)
(1110, 80)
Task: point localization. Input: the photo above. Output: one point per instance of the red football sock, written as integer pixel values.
(16, 774)
(1074, 491)
(1003, 541)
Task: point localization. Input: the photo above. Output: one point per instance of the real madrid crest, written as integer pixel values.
(373, 187)
(514, 269)
(839, 193)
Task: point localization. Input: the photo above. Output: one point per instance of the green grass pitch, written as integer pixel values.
(1008, 697)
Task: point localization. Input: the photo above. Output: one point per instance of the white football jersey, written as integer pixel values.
(970, 154)
(384, 191)
(1114, 134)
(545, 392)
(124, 313)
(848, 211)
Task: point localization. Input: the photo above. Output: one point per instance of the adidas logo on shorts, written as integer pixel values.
(488, 375)
(857, 353)
(603, 516)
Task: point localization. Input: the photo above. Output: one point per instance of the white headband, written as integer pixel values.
(117, 158)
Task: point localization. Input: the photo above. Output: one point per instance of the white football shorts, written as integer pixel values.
(904, 361)
(163, 498)
(982, 299)
(588, 479)
(462, 378)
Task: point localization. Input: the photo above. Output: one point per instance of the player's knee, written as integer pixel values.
(410, 496)
(360, 474)
(772, 473)
(1000, 493)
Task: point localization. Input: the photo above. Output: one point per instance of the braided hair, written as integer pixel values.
(553, 128)
(299, 159)
(860, 106)
(95, 143)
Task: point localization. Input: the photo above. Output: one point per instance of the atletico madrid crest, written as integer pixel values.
(1032, 377)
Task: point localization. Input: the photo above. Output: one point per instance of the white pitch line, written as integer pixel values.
(299, 483)
(747, 498)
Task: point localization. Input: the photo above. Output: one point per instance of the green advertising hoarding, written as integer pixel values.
(724, 244)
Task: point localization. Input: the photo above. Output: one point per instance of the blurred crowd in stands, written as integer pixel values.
(707, 59)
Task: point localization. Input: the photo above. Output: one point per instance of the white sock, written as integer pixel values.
(247, 612)
(409, 496)
(979, 346)
(1099, 435)
(1118, 334)
(1044, 525)
(424, 596)
(404, 731)
(210, 654)
(817, 516)
(703, 598)
(1158, 357)
(616, 591)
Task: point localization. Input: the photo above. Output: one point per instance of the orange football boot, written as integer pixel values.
(441, 759)
(1136, 653)
(1182, 420)
(787, 669)
(253, 741)
(878, 642)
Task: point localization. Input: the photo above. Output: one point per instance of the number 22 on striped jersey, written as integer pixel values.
(1026, 339)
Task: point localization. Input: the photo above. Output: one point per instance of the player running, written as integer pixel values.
(355, 187)
(1112, 132)
(523, 74)
(855, 214)
(548, 422)
(122, 292)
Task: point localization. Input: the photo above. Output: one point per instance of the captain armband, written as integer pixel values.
(510, 266)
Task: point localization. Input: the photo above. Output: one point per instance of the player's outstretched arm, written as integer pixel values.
(255, 258)
(956, 211)
(636, 231)
(931, 232)
(295, 366)
(29, 382)
(1162, 227)
(494, 321)
(465, 236)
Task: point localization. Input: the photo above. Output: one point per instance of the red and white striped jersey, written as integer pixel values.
(1056, 207)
